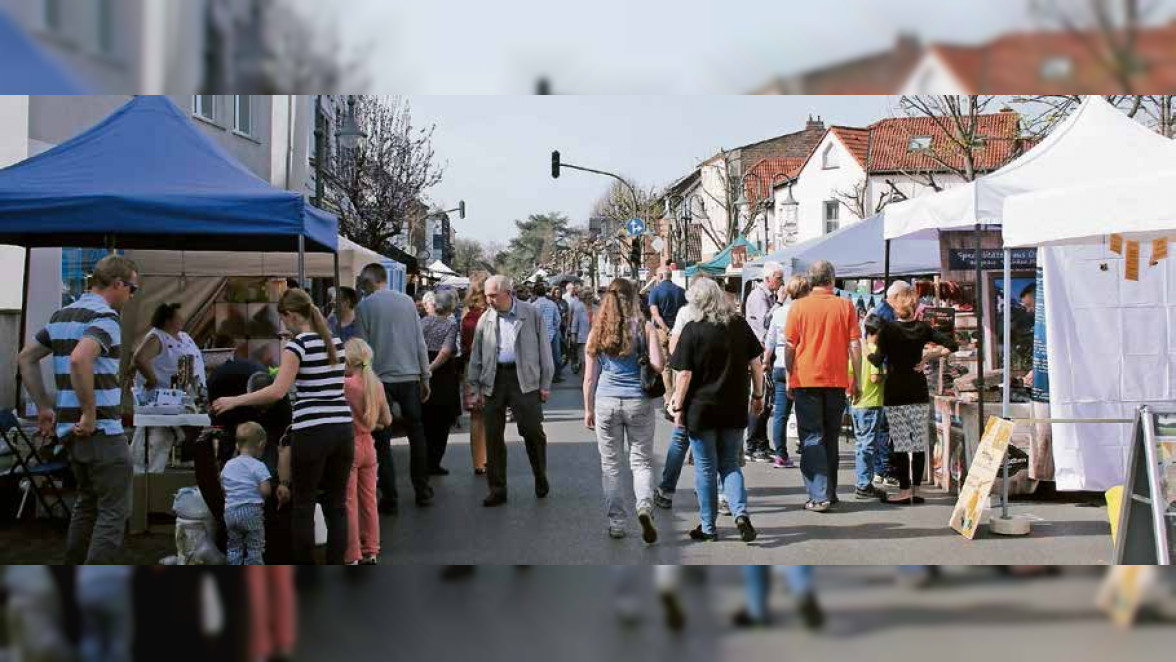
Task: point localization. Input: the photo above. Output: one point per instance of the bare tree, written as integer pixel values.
(1046, 111)
(857, 199)
(959, 131)
(616, 207)
(303, 57)
(376, 187)
(1108, 30)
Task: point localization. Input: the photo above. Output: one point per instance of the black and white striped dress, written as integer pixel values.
(319, 397)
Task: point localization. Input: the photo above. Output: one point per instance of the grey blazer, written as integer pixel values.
(532, 352)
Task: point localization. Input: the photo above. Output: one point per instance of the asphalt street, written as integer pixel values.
(569, 526)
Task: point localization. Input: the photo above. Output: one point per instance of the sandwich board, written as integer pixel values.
(1147, 518)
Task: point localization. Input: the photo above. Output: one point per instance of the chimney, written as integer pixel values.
(815, 124)
(908, 43)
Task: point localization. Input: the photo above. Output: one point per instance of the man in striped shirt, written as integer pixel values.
(85, 342)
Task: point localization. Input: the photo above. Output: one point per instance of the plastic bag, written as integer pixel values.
(189, 504)
(320, 526)
(195, 544)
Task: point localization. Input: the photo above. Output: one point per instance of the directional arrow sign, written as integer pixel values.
(635, 226)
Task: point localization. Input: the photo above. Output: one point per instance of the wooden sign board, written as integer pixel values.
(965, 518)
(1147, 520)
(1132, 258)
(738, 257)
(1124, 592)
(941, 319)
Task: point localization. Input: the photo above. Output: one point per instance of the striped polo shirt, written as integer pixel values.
(319, 397)
(88, 317)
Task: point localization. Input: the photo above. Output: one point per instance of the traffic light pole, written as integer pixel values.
(556, 165)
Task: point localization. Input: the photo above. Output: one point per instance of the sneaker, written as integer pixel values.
(867, 493)
(616, 532)
(724, 507)
(811, 612)
(648, 531)
(748, 456)
(789, 464)
(778, 462)
(761, 456)
(742, 619)
(663, 499)
(890, 482)
(675, 615)
(746, 530)
(697, 534)
(817, 507)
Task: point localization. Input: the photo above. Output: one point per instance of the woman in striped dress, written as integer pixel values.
(322, 446)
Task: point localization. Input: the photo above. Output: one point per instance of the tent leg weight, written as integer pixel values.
(1010, 526)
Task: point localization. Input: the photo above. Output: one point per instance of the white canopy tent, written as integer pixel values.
(440, 269)
(856, 251)
(1096, 139)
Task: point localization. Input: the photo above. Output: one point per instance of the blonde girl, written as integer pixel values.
(370, 410)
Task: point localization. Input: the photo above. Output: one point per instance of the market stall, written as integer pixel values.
(147, 178)
(1094, 140)
(27, 69)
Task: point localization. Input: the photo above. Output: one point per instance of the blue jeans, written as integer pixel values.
(557, 356)
(107, 620)
(717, 452)
(818, 419)
(869, 427)
(782, 410)
(675, 458)
(758, 581)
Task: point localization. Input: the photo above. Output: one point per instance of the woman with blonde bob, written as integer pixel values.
(711, 402)
(369, 408)
(475, 305)
(616, 406)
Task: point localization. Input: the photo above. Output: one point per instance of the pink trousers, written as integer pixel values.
(273, 610)
(363, 519)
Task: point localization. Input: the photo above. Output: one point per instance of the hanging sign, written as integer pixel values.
(1132, 258)
(1159, 250)
(965, 518)
(738, 257)
(1117, 244)
(961, 259)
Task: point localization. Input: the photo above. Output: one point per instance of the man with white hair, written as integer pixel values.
(885, 310)
(761, 302)
(510, 366)
(665, 300)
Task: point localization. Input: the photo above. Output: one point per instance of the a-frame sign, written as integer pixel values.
(1147, 521)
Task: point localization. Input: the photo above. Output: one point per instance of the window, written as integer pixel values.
(438, 242)
(243, 114)
(919, 143)
(204, 105)
(1057, 68)
(105, 26)
(51, 14)
(829, 158)
(832, 215)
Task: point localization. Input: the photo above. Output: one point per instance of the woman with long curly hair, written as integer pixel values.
(616, 406)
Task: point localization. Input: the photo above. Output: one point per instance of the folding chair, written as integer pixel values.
(31, 467)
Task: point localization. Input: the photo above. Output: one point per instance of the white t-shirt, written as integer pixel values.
(775, 337)
(686, 315)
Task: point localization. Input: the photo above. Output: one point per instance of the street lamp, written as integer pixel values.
(349, 133)
(788, 229)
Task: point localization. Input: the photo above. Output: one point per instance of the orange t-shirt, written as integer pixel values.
(820, 327)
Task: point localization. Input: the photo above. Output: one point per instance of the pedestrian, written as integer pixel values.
(475, 306)
(761, 302)
(665, 300)
(549, 310)
(774, 355)
(510, 366)
(108, 623)
(388, 321)
(579, 324)
(273, 612)
(322, 446)
(758, 580)
(902, 348)
(246, 483)
(823, 334)
(616, 406)
(869, 425)
(679, 441)
(565, 318)
(342, 321)
(666, 580)
(443, 407)
(369, 411)
(885, 311)
(711, 402)
(85, 341)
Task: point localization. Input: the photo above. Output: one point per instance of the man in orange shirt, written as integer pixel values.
(823, 334)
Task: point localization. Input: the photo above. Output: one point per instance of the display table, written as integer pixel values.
(957, 437)
(153, 493)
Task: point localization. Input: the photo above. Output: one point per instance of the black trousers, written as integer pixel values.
(321, 459)
(528, 411)
(901, 465)
(407, 396)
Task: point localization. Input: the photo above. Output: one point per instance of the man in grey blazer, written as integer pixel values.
(510, 366)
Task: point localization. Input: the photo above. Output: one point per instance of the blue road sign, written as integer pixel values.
(635, 226)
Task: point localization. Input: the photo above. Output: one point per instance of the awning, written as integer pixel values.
(717, 266)
(26, 68)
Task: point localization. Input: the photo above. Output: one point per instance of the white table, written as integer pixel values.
(148, 421)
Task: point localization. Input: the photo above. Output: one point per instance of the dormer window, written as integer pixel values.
(1057, 68)
(919, 143)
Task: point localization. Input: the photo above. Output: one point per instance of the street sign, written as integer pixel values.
(635, 226)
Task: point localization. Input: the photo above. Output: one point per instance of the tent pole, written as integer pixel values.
(301, 262)
(979, 308)
(337, 283)
(24, 321)
(886, 272)
(1007, 379)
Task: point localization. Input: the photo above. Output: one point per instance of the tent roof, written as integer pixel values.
(440, 267)
(27, 69)
(856, 251)
(718, 264)
(149, 177)
(1141, 208)
(1097, 139)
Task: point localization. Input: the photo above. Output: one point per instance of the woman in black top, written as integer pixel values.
(902, 346)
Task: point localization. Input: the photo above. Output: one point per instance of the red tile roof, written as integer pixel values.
(768, 171)
(856, 140)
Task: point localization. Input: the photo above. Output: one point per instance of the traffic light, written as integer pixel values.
(635, 251)
(461, 210)
(555, 165)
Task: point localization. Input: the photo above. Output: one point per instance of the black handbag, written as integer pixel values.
(651, 380)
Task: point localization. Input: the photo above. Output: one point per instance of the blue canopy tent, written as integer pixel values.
(27, 69)
(718, 264)
(856, 251)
